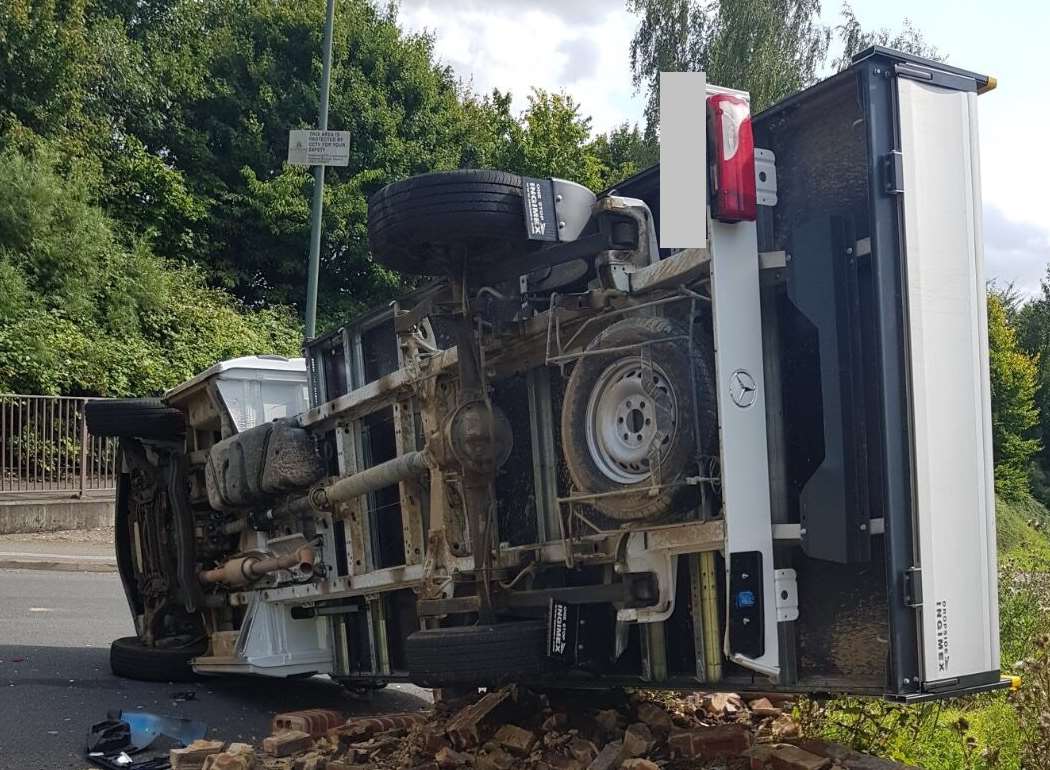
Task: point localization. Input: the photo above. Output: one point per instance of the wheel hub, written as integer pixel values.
(631, 418)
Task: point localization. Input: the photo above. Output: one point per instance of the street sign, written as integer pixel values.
(318, 148)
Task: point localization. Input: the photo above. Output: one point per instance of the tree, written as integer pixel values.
(855, 39)
(84, 311)
(1032, 321)
(1014, 375)
(182, 107)
(551, 139)
(672, 36)
(624, 151)
(770, 48)
(79, 81)
(237, 75)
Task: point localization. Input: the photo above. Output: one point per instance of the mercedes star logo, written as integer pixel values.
(742, 388)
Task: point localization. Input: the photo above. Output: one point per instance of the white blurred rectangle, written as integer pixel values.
(683, 160)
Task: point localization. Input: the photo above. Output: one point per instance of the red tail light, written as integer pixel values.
(733, 160)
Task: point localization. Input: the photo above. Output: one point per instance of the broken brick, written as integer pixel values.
(556, 721)
(316, 722)
(608, 758)
(639, 764)
(448, 757)
(231, 760)
(846, 757)
(431, 741)
(722, 704)
(760, 755)
(559, 762)
(609, 721)
(365, 727)
(655, 717)
(637, 740)
(515, 739)
(785, 727)
(462, 729)
(788, 757)
(834, 751)
(192, 757)
(310, 762)
(583, 750)
(286, 743)
(496, 759)
(719, 741)
(763, 708)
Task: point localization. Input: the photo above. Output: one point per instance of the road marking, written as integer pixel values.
(38, 555)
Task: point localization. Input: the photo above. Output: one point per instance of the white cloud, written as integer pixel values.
(576, 46)
(1015, 252)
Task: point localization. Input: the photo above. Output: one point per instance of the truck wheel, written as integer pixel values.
(133, 418)
(478, 655)
(630, 412)
(130, 658)
(429, 224)
(147, 418)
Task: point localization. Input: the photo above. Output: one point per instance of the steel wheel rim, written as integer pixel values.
(631, 419)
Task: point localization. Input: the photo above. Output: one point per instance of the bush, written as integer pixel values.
(1032, 702)
(1014, 376)
(84, 311)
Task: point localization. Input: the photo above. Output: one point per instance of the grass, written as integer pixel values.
(978, 733)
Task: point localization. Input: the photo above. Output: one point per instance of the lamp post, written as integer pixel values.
(313, 265)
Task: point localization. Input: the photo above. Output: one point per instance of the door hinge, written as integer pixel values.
(893, 173)
(786, 583)
(913, 587)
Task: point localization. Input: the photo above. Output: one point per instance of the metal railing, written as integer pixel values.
(45, 448)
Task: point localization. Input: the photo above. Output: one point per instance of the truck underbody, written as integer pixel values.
(576, 459)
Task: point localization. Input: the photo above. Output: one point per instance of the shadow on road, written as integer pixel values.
(49, 696)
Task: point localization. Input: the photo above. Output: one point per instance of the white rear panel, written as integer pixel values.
(737, 315)
(948, 352)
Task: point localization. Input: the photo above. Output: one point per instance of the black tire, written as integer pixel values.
(145, 418)
(429, 224)
(482, 655)
(674, 372)
(131, 659)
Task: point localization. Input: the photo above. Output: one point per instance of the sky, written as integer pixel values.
(581, 47)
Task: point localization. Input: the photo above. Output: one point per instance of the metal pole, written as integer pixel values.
(83, 446)
(313, 266)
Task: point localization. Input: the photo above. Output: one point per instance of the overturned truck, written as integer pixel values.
(573, 458)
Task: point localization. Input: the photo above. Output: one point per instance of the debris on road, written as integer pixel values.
(514, 728)
(193, 756)
(316, 722)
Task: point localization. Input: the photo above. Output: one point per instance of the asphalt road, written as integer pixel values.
(55, 630)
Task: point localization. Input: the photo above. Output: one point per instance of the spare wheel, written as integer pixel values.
(629, 418)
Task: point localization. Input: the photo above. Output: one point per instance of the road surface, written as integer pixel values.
(55, 630)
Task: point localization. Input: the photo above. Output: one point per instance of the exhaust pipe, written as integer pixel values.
(247, 569)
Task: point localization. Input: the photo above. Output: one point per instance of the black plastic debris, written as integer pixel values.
(108, 737)
(112, 743)
(146, 728)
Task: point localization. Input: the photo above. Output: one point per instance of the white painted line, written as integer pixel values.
(60, 556)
